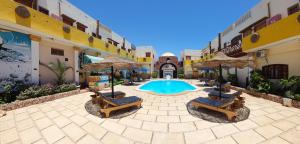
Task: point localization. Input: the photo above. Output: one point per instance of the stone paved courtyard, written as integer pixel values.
(163, 119)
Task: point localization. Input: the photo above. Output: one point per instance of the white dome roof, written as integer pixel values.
(168, 54)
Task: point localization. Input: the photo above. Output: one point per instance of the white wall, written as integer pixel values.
(141, 51)
(105, 32)
(195, 54)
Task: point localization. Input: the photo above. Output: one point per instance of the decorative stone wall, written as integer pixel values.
(39, 100)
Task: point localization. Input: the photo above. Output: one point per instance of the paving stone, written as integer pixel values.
(199, 136)
(248, 137)
(52, 114)
(131, 122)
(245, 125)
(94, 130)
(157, 112)
(113, 127)
(74, 132)
(275, 116)
(188, 118)
(224, 130)
(7, 125)
(168, 138)
(40, 142)
(268, 131)
(224, 140)
(111, 138)
(61, 121)
(142, 111)
(21, 116)
(178, 112)
(37, 115)
(287, 113)
(155, 126)
(88, 140)
(167, 108)
(270, 110)
(262, 120)
(294, 119)
(276, 140)
(145, 117)
(43, 123)
(30, 136)
(292, 136)
(182, 127)
(138, 135)
(8, 136)
(258, 112)
(65, 140)
(52, 134)
(95, 119)
(67, 113)
(168, 119)
(79, 120)
(202, 124)
(284, 125)
(32, 110)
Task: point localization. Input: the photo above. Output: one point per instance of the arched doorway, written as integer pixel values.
(168, 69)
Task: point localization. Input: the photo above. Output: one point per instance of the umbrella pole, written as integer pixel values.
(112, 81)
(220, 81)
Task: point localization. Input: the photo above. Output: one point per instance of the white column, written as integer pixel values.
(35, 60)
(76, 65)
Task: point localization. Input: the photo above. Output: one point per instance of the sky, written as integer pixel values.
(167, 25)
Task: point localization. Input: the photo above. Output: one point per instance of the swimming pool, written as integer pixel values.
(167, 87)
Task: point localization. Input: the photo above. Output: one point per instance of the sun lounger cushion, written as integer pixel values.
(125, 100)
(208, 101)
(109, 94)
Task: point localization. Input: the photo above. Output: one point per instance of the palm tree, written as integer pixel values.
(59, 69)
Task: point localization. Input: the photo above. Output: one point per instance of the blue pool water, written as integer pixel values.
(167, 87)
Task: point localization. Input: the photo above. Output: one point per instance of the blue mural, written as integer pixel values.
(14, 47)
(15, 55)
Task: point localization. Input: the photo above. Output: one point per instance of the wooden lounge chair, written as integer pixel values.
(223, 106)
(118, 104)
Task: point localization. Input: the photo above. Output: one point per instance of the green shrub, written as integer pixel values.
(181, 76)
(36, 91)
(232, 78)
(154, 74)
(264, 86)
(256, 79)
(64, 88)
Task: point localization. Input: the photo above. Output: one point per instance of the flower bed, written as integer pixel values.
(28, 102)
(271, 97)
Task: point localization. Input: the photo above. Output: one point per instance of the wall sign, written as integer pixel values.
(91, 39)
(255, 38)
(22, 12)
(66, 29)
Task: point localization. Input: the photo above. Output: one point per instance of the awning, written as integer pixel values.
(88, 59)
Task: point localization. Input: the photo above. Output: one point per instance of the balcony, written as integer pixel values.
(47, 25)
(288, 27)
(144, 60)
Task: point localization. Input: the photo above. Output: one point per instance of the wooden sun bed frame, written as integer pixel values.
(225, 108)
(110, 106)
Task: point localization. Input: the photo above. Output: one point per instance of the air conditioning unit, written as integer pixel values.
(261, 53)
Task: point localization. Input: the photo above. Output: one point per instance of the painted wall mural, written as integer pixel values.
(15, 55)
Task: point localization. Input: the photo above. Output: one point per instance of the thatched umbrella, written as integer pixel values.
(221, 59)
(111, 62)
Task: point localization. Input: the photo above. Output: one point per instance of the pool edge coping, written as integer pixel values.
(177, 94)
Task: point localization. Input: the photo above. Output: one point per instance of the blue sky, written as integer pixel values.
(168, 25)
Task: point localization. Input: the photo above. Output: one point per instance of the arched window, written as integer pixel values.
(276, 71)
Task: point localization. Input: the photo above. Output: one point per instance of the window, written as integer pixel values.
(81, 26)
(44, 11)
(25, 2)
(188, 58)
(293, 9)
(148, 54)
(67, 20)
(57, 52)
(276, 71)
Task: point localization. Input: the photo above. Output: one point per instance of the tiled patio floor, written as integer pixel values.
(163, 119)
